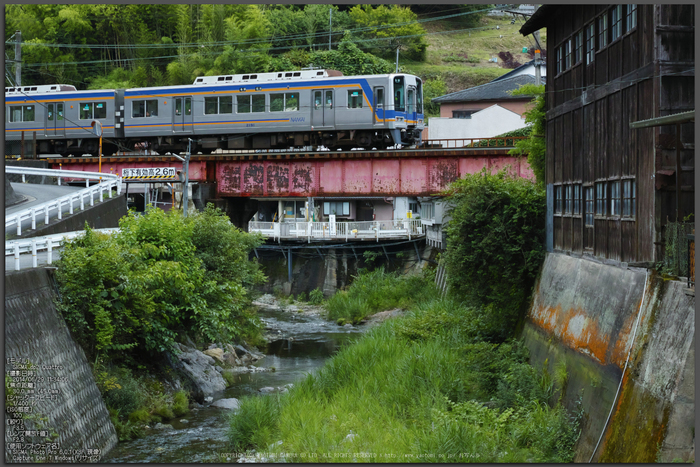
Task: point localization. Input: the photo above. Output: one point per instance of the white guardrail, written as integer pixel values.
(36, 244)
(339, 230)
(107, 183)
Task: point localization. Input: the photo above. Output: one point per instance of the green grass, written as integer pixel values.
(376, 291)
(422, 388)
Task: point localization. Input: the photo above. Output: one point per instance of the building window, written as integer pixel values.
(590, 43)
(578, 47)
(631, 17)
(601, 199)
(427, 210)
(557, 199)
(148, 108)
(589, 205)
(413, 207)
(577, 200)
(567, 199)
(567, 54)
(560, 53)
(462, 113)
(628, 198)
(338, 208)
(355, 99)
(21, 113)
(615, 198)
(603, 31)
(616, 22)
(92, 110)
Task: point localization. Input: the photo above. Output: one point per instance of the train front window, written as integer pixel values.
(399, 94)
(409, 100)
(419, 96)
(354, 99)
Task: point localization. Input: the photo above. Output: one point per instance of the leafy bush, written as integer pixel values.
(534, 146)
(254, 423)
(129, 294)
(495, 245)
(316, 297)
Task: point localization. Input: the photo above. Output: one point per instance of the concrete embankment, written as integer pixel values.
(592, 316)
(64, 400)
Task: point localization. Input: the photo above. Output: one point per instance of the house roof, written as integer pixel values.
(539, 19)
(494, 90)
(515, 71)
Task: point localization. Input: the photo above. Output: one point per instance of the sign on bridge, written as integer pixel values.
(150, 174)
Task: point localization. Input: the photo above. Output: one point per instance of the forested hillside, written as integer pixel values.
(114, 46)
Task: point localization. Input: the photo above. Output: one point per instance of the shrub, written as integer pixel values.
(180, 403)
(255, 423)
(316, 297)
(495, 245)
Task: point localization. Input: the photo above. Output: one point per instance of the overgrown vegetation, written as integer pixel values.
(374, 291)
(495, 245)
(126, 297)
(421, 388)
(534, 146)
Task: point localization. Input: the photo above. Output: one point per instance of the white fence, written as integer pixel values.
(108, 182)
(36, 244)
(363, 230)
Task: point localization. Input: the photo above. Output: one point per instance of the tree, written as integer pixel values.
(495, 245)
(534, 146)
(384, 29)
(433, 88)
(350, 60)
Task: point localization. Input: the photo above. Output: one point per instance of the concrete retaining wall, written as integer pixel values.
(66, 401)
(584, 314)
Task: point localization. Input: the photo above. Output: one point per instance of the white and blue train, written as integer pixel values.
(280, 110)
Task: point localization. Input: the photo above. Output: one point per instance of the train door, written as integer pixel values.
(55, 119)
(182, 114)
(323, 108)
(379, 105)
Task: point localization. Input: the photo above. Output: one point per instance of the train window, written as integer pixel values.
(399, 94)
(220, 78)
(178, 107)
(297, 74)
(210, 105)
(100, 110)
(15, 113)
(355, 99)
(291, 101)
(147, 108)
(229, 78)
(188, 106)
(59, 112)
(279, 75)
(85, 111)
(225, 104)
(49, 112)
(419, 96)
(253, 76)
(33, 88)
(319, 73)
(21, 113)
(329, 99)
(28, 113)
(318, 100)
(258, 103)
(243, 103)
(379, 95)
(276, 102)
(287, 75)
(409, 100)
(245, 77)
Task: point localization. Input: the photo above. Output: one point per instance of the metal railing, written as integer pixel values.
(108, 182)
(362, 230)
(503, 142)
(50, 242)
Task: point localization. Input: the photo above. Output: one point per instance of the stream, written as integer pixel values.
(299, 344)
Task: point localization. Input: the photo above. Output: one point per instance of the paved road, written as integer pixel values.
(36, 194)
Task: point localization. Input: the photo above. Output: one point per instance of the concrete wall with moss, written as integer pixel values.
(583, 316)
(65, 403)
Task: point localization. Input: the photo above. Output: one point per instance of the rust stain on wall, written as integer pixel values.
(303, 180)
(442, 173)
(230, 179)
(277, 179)
(253, 179)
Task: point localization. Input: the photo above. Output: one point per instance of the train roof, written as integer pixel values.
(266, 77)
(39, 89)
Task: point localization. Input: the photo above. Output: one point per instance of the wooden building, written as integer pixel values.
(611, 188)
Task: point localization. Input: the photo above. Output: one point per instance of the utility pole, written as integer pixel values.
(398, 46)
(18, 57)
(538, 61)
(330, 26)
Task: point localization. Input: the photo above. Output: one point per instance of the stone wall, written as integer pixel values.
(65, 403)
(584, 314)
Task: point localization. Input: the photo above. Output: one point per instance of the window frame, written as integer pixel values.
(615, 198)
(629, 198)
(589, 205)
(558, 205)
(576, 208)
(601, 199)
(590, 37)
(603, 31)
(567, 54)
(578, 47)
(630, 17)
(23, 111)
(285, 99)
(145, 108)
(568, 204)
(616, 23)
(355, 99)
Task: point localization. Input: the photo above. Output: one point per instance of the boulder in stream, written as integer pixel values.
(198, 369)
(231, 403)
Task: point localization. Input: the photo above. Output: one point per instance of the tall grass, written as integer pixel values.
(422, 388)
(376, 291)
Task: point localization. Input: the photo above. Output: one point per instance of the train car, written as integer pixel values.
(62, 118)
(280, 110)
(277, 110)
